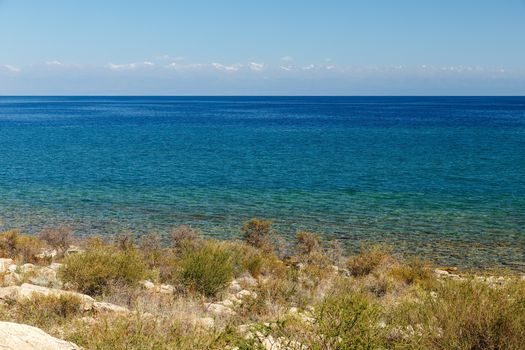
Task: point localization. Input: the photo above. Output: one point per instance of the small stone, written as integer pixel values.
(55, 266)
(227, 303)
(248, 281)
(220, 310)
(73, 249)
(47, 254)
(234, 287)
(147, 284)
(5, 264)
(166, 289)
(27, 268)
(108, 307)
(440, 272)
(45, 277)
(246, 294)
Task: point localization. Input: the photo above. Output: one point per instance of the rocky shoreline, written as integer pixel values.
(235, 295)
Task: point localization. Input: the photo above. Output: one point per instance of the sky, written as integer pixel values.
(270, 47)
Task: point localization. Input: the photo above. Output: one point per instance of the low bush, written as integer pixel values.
(346, 320)
(258, 233)
(308, 243)
(59, 238)
(207, 269)
(367, 261)
(101, 267)
(20, 247)
(183, 236)
(413, 271)
(467, 315)
(47, 311)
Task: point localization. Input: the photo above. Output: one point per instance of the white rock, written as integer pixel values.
(441, 272)
(55, 266)
(12, 268)
(26, 291)
(248, 281)
(204, 322)
(27, 268)
(227, 303)
(5, 264)
(166, 289)
(47, 254)
(220, 310)
(147, 284)
(234, 287)
(73, 249)
(45, 277)
(246, 294)
(12, 279)
(108, 307)
(14, 336)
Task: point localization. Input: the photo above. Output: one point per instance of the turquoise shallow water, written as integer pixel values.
(442, 177)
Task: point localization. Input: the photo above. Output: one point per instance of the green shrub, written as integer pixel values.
(467, 315)
(413, 271)
(367, 261)
(184, 236)
(102, 267)
(346, 320)
(246, 258)
(46, 311)
(18, 246)
(207, 269)
(258, 233)
(308, 243)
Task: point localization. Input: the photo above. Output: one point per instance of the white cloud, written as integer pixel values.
(180, 66)
(227, 68)
(309, 67)
(53, 63)
(286, 68)
(257, 67)
(286, 58)
(129, 66)
(10, 68)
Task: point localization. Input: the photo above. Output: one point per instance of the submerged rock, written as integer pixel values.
(15, 336)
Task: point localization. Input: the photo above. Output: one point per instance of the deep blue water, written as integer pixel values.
(439, 176)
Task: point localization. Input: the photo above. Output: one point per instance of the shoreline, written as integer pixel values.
(245, 294)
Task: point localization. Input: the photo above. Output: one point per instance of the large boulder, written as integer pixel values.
(14, 336)
(26, 291)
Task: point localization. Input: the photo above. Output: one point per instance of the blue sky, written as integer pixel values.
(286, 47)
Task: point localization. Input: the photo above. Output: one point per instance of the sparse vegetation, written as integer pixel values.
(258, 233)
(103, 267)
(207, 269)
(313, 299)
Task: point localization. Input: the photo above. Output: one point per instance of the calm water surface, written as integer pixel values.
(441, 177)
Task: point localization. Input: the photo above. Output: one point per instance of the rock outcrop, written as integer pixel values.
(15, 336)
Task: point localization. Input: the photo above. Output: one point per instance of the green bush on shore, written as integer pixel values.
(101, 268)
(206, 269)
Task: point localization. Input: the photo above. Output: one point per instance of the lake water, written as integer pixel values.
(440, 177)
